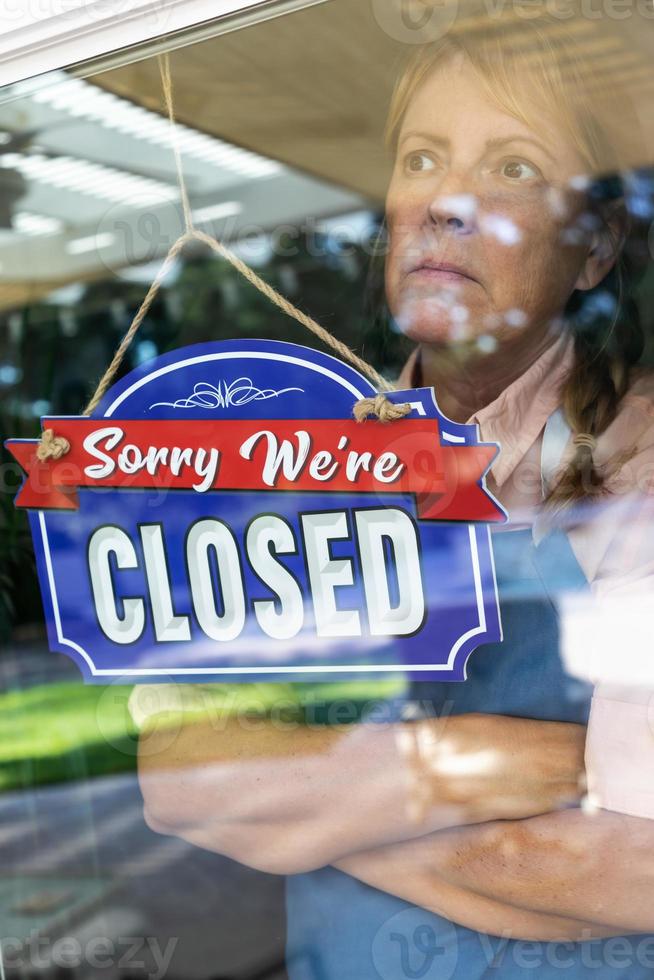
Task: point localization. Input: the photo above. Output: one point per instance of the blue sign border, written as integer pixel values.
(121, 396)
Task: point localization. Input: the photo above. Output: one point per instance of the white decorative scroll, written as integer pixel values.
(237, 393)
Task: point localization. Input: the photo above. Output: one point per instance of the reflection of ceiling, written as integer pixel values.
(308, 90)
(88, 184)
(311, 88)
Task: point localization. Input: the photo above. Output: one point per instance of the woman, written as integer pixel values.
(494, 240)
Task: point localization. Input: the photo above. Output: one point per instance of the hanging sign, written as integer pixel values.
(221, 515)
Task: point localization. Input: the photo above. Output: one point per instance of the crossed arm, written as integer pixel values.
(564, 875)
(290, 801)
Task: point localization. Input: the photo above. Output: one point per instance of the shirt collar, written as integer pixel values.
(518, 415)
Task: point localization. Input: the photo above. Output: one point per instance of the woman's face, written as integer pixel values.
(482, 217)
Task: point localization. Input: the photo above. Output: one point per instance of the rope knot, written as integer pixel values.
(382, 407)
(51, 446)
(585, 439)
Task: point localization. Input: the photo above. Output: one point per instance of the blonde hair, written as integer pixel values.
(559, 83)
(604, 351)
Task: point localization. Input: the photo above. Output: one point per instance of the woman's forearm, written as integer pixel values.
(281, 801)
(597, 866)
(401, 870)
(521, 874)
(295, 797)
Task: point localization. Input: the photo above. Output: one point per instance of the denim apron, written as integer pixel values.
(341, 929)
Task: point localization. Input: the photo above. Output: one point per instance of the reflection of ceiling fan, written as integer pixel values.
(13, 185)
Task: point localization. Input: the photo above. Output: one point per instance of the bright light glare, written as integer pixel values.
(608, 641)
(454, 763)
(90, 243)
(28, 223)
(95, 179)
(84, 100)
(502, 228)
(216, 211)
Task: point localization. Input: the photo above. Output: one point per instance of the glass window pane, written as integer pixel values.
(463, 195)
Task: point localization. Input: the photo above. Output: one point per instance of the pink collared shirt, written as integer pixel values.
(608, 636)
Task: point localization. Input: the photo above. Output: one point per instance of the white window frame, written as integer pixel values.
(74, 32)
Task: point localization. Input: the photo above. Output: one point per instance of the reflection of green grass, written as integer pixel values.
(52, 733)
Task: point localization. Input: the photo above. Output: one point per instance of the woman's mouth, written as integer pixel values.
(441, 272)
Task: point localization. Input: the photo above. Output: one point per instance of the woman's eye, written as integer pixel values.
(418, 162)
(518, 170)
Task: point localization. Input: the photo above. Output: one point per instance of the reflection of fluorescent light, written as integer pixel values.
(216, 211)
(86, 101)
(257, 250)
(27, 223)
(79, 245)
(68, 295)
(91, 178)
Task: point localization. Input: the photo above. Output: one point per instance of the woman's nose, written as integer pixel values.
(454, 211)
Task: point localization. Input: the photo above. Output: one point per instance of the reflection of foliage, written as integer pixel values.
(51, 733)
(55, 732)
(328, 282)
(17, 571)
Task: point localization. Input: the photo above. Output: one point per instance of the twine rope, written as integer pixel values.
(381, 407)
(54, 447)
(167, 86)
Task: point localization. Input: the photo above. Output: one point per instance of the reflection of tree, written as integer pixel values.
(328, 282)
(19, 599)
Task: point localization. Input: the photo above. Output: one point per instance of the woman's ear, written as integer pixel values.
(605, 246)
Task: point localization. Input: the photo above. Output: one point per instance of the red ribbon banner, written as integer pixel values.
(331, 455)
